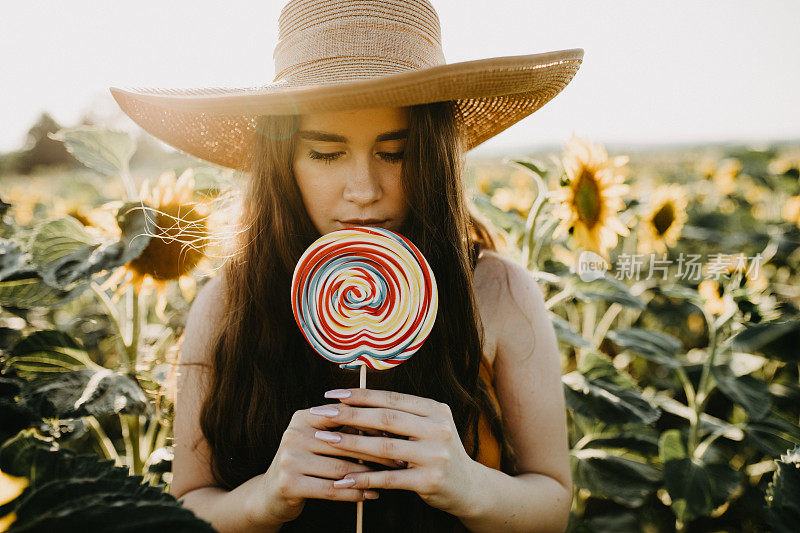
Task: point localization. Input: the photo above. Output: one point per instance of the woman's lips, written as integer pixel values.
(369, 222)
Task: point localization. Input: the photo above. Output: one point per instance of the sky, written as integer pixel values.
(654, 72)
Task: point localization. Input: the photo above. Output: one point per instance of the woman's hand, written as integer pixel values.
(302, 469)
(439, 469)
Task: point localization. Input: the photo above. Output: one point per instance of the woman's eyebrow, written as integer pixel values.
(313, 135)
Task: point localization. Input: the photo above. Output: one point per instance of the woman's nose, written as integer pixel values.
(363, 185)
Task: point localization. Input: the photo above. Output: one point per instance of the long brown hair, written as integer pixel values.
(264, 370)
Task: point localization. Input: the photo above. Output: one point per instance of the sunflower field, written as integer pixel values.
(670, 276)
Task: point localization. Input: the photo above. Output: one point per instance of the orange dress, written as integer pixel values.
(489, 450)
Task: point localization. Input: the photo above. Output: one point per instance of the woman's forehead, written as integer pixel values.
(373, 124)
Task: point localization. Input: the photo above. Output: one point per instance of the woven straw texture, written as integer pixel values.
(352, 54)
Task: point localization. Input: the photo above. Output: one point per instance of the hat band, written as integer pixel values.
(351, 51)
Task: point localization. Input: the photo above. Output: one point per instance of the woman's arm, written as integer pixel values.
(528, 386)
(192, 482)
(228, 511)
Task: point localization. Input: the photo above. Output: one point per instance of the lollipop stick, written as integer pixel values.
(362, 384)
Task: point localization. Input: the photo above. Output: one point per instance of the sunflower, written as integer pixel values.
(791, 210)
(706, 167)
(725, 175)
(754, 193)
(590, 201)
(519, 200)
(484, 184)
(24, 201)
(714, 303)
(784, 165)
(179, 245)
(664, 218)
(726, 264)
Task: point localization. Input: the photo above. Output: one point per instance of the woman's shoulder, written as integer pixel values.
(205, 313)
(487, 283)
(506, 292)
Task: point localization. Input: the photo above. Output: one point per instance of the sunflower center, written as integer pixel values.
(177, 247)
(587, 199)
(664, 218)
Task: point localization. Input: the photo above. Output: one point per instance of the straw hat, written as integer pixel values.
(338, 55)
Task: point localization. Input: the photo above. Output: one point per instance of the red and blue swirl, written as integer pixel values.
(364, 296)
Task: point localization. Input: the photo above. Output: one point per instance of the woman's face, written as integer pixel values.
(347, 166)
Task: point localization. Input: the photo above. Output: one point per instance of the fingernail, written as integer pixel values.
(338, 393)
(324, 411)
(370, 495)
(328, 436)
(346, 482)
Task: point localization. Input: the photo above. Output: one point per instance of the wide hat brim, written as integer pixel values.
(217, 124)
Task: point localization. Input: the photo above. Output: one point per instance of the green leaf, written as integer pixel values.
(670, 446)
(106, 151)
(507, 221)
(773, 434)
(65, 258)
(779, 338)
(11, 257)
(679, 291)
(695, 488)
(56, 238)
(619, 479)
(639, 442)
(652, 345)
(783, 505)
(209, 180)
(69, 492)
(606, 401)
(48, 351)
(534, 166)
(33, 292)
(18, 452)
(604, 289)
(85, 392)
(596, 365)
(750, 393)
(160, 460)
(565, 333)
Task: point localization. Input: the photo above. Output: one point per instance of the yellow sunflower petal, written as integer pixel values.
(161, 301)
(188, 287)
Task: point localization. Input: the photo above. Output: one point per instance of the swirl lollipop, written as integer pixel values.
(364, 296)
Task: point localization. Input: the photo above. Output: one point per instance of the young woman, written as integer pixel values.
(468, 434)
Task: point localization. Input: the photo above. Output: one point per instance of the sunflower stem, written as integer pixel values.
(127, 181)
(563, 294)
(589, 316)
(702, 394)
(105, 443)
(530, 223)
(130, 450)
(133, 345)
(112, 312)
(539, 243)
(605, 323)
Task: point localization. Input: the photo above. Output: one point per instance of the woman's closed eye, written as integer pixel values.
(391, 157)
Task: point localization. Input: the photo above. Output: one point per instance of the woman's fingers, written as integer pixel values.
(329, 467)
(322, 447)
(323, 489)
(376, 418)
(305, 425)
